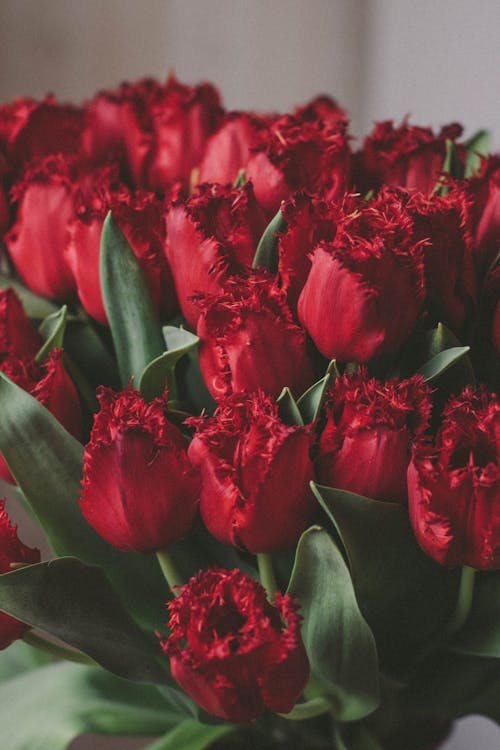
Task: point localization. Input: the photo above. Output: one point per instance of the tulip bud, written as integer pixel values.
(229, 149)
(12, 550)
(454, 485)
(246, 456)
(17, 335)
(140, 491)
(236, 654)
(370, 427)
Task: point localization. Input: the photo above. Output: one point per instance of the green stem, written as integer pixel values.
(55, 650)
(266, 574)
(464, 599)
(169, 570)
(309, 710)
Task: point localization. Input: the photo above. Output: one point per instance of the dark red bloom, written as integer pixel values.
(211, 236)
(16, 332)
(299, 155)
(249, 340)
(31, 129)
(485, 212)
(247, 456)
(309, 220)
(322, 108)
(365, 288)
(229, 149)
(406, 156)
(454, 485)
(496, 327)
(4, 203)
(139, 216)
(140, 491)
(448, 254)
(236, 654)
(51, 385)
(166, 129)
(370, 427)
(12, 550)
(38, 239)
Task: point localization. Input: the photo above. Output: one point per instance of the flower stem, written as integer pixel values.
(169, 570)
(309, 710)
(55, 650)
(464, 599)
(266, 574)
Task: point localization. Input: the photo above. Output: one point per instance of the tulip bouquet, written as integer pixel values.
(247, 392)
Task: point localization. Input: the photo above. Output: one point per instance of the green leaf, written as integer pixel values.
(340, 645)
(480, 636)
(20, 657)
(47, 464)
(134, 326)
(191, 735)
(451, 166)
(441, 362)
(45, 709)
(355, 737)
(52, 330)
(162, 369)
(241, 178)
(76, 603)
(267, 253)
(311, 401)
(89, 353)
(288, 409)
(477, 146)
(405, 596)
(34, 305)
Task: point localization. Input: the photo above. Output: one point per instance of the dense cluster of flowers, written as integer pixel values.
(282, 248)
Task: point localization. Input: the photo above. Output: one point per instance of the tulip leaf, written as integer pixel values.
(267, 253)
(52, 330)
(46, 708)
(311, 401)
(452, 166)
(340, 645)
(77, 604)
(47, 464)
(133, 322)
(90, 355)
(477, 146)
(355, 737)
(406, 597)
(241, 178)
(191, 735)
(288, 409)
(162, 369)
(480, 636)
(441, 362)
(34, 305)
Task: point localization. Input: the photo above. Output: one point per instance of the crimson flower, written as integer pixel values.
(406, 156)
(211, 236)
(246, 456)
(485, 192)
(4, 203)
(236, 654)
(139, 216)
(370, 427)
(365, 287)
(250, 341)
(299, 155)
(454, 485)
(324, 109)
(12, 550)
(140, 491)
(37, 241)
(51, 385)
(16, 332)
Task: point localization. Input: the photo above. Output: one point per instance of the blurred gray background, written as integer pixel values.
(436, 60)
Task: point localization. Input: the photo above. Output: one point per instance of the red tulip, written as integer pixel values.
(140, 491)
(454, 485)
(250, 341)
(12, 550)
(370, 427)
(322, 108)
(236, 654)
(246, 456)
(365, 288)
(17, 334)
(485, 212)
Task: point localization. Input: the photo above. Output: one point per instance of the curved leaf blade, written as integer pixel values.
(338, 640)
(267, 253)
(441, 362)
(477, 146)
(191, 735)
(52, 330)
(288, 409)
(77, 604)
(162, 369)
(134, 326)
